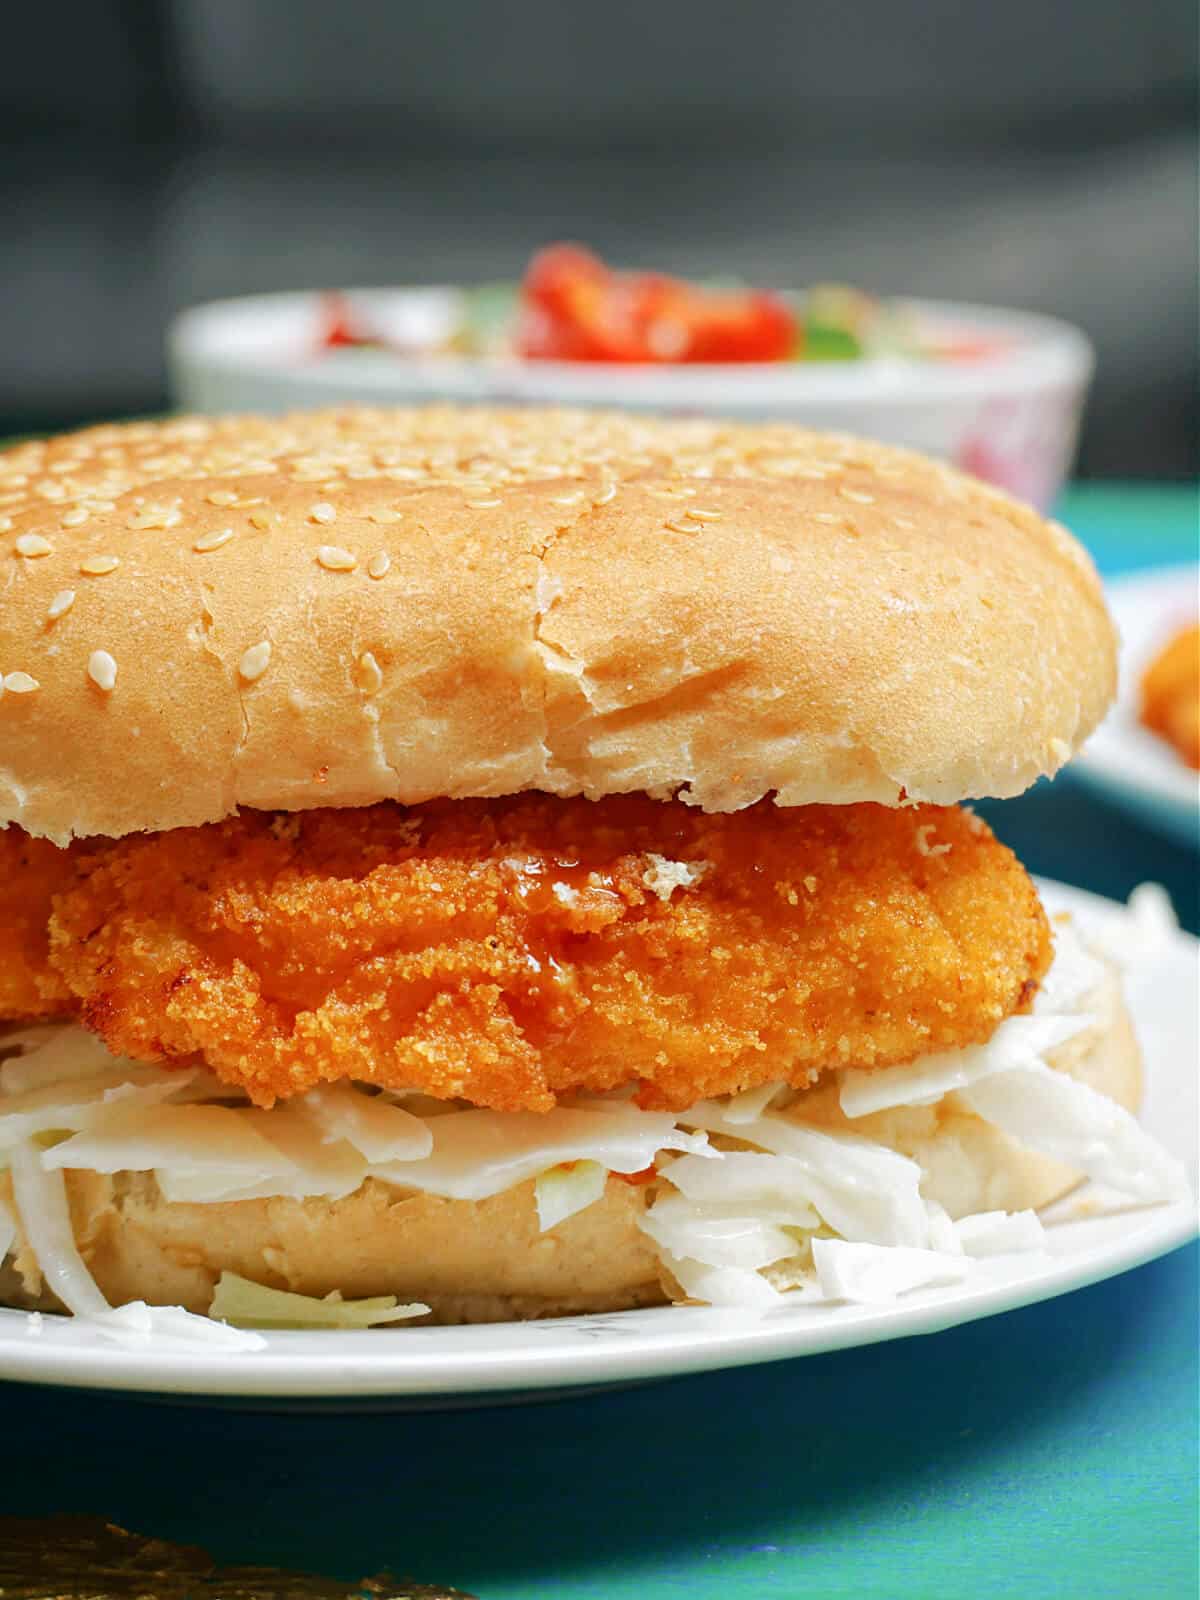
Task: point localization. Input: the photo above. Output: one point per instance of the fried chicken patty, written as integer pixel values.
(512, 951)
(32, 872)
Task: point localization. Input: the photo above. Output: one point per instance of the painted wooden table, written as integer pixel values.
(1050, 1451)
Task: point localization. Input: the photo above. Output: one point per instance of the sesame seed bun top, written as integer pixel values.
(343, 607)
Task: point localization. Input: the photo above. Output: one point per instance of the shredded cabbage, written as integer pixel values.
(1015, 1043)
(1060, 1117)
(1143, 933)
(82, 1102)
(562, 1191)
(136, 1324)
(868, 1274)
(772, 1188)
(1074, 977)
(51, 1053)
(943, 1233)
(180, 1142)
(380, 1129)
(751, 1103)
(861, 1189)
(997, 1233)
(480, 1153)
(252, 1305)
(716, 1238)
(721, 1286)
(8, 1231)
(41, 1199)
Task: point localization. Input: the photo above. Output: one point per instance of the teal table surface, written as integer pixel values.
(1050, 1451)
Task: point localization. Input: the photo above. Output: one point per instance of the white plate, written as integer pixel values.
(1127, 763)
(423, 1366)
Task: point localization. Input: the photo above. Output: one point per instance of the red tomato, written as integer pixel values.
(574, 308)
(336, 330)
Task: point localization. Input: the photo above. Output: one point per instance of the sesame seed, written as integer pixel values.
(606, 494)
(60, 605)
(5, 524)
(99, 566)
(379, 564)
(221, 497)
(335, 559)
(263, 519)
(856, 495)
(703, 516)
(384, 516)
(370, 677)
(75, 518)
(682, 527)
(255, 661)
(825, 516)
(102, 670)
(155, 517)
(212, 541)
(483, 505)
(32, 545)
(20, 683)
(567, 499)
(322, 512)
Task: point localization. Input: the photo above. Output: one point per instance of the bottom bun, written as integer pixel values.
(486, 1261)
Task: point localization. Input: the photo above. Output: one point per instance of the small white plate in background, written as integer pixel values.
(1124, 761)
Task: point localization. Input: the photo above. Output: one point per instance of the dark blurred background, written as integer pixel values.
(1034, 153)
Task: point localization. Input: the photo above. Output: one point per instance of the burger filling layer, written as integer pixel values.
(751, 1021)
(828, 1191)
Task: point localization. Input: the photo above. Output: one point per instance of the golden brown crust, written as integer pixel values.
(485, 1261)
(578, 603)
(32, 872)
(507, 952)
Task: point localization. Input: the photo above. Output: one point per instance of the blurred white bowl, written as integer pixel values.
(1011, 417)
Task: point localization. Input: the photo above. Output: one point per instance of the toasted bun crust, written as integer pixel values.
(345, 607)
(485, 1261)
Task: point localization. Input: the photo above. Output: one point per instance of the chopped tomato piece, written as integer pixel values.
(339, 330)
(574, 308)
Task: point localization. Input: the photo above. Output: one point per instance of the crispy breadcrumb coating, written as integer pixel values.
(32, 871)
(512, 951)
(1171, 694)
